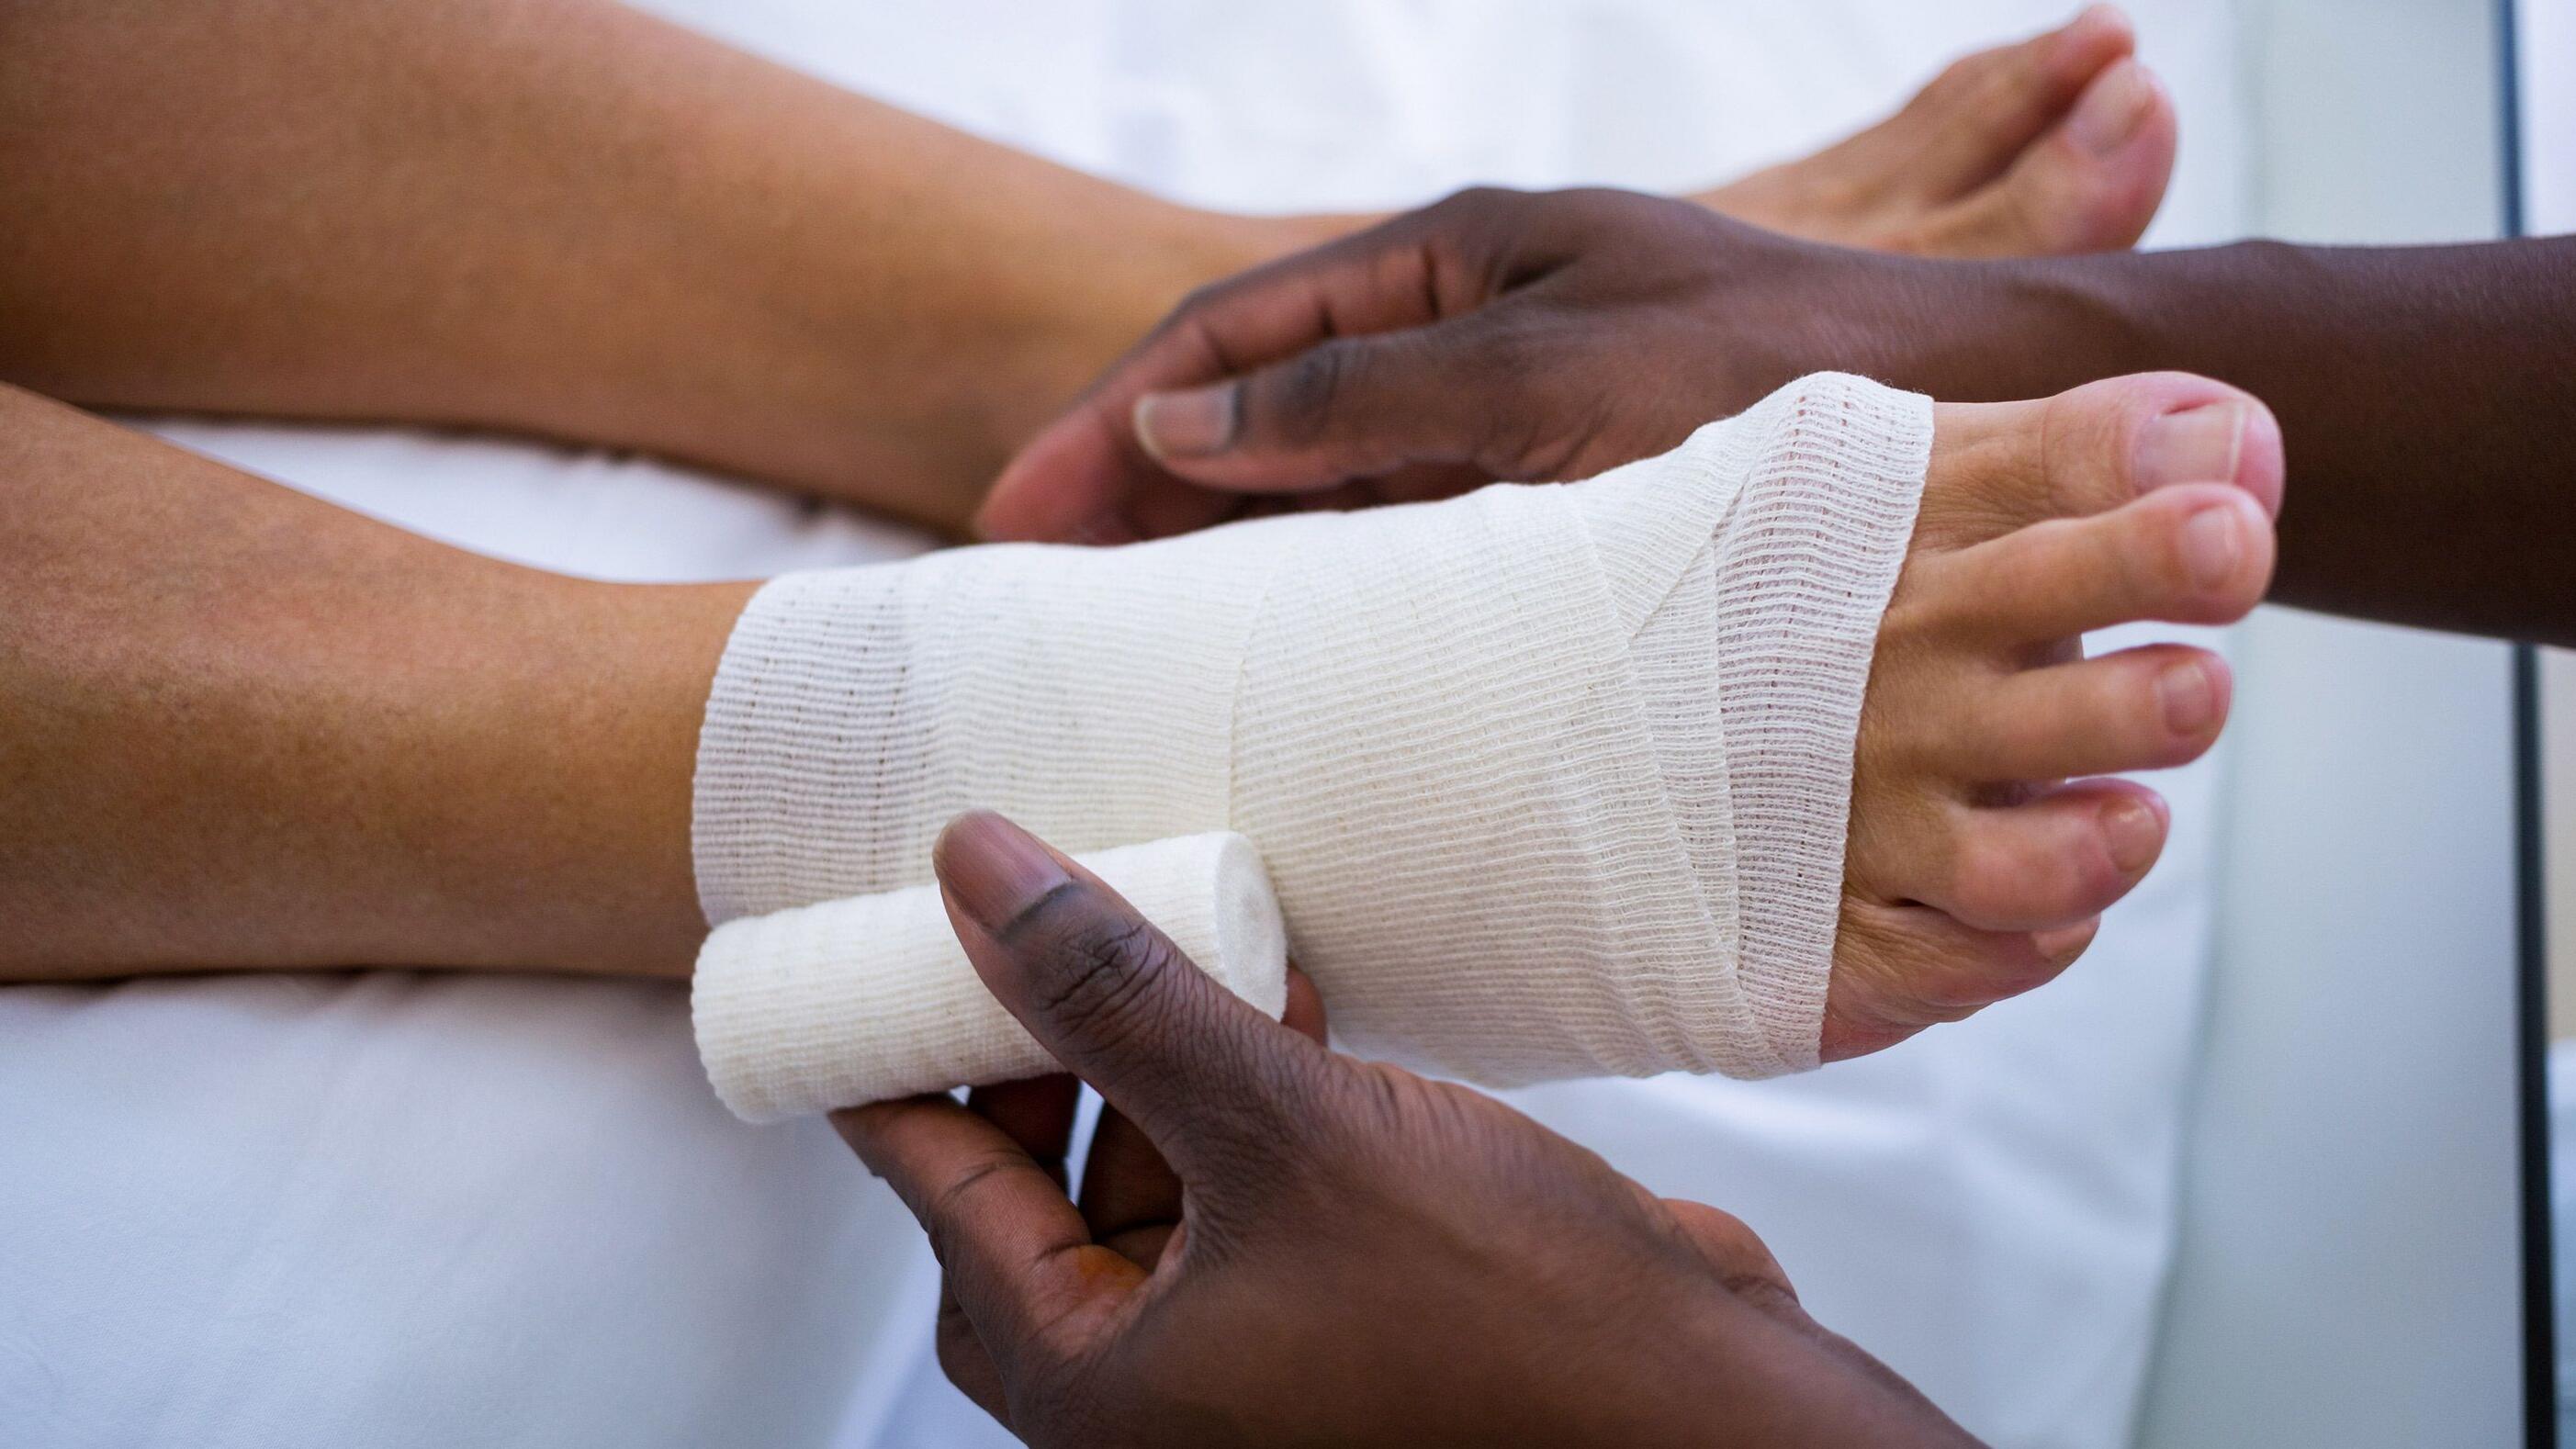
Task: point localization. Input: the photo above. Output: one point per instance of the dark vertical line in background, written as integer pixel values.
(2539, 1289)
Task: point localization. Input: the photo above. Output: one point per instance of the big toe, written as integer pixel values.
(1997, 467)
(1969, 124)
(2091, 184)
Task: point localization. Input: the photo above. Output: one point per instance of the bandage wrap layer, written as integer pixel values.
(1551, 780)
(870, 997)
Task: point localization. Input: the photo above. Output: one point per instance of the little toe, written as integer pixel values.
(1899, 969)
(2051, 862)
(2149, 708)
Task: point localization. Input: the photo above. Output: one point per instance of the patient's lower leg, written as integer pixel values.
(240, 727)
(1559, 780)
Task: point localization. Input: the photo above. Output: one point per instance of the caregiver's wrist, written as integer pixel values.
(1995, 330)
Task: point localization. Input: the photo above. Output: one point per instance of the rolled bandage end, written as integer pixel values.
(868, 998)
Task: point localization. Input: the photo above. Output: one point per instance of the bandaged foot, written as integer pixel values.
(1557, 780)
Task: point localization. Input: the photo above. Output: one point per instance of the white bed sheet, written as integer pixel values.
(397, 1209)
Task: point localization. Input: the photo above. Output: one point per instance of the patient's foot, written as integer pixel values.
(1972, 874)
(2062, 143)
(1552, 781)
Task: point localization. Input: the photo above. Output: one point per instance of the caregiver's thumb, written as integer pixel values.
(1208, 1077)
(1352, 408)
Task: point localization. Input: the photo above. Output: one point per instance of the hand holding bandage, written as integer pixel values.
(1273, 1241)
(869, 997)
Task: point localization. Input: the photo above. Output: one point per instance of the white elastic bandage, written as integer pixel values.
(871, 997)
(1551, 780)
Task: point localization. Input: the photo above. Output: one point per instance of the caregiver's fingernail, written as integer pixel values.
(2112, 109)
(994, 870)
(1186, 424)
(2196, 445)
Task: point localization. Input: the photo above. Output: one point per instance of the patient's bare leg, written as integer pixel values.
(575, 220)
(2062, 143)
(240, 727)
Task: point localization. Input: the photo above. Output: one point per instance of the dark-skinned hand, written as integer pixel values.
(1276, 1244)
(1493, 335)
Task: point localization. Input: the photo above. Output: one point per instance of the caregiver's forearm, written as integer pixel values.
(242, 728)
(565, 218)
(2427, 398)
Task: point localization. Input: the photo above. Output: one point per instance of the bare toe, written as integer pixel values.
(1972, 871)
(2149, 708)
(1901, 968)
(1977, 116)
(1997, 467)
(2091, 184)
(1938, 175)
(2062, 858)
(2193, 553)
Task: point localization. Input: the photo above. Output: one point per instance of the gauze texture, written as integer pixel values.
(870, 997)
(1551, 780)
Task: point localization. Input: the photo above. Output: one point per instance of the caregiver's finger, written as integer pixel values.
(1209, 1078)
(1126, 1184)
(1304, 1013)
(1733, 1251)
(1127, 1187)
(963, 1358)
(1074, 479)
(1460, 392)
(1036, 1113)
(1014, 1249)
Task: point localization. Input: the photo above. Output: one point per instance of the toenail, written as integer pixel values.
(2211, 546)
(2060, 947)
(2131, 830)
(2112, 109)
(2196, 445)
(2187, 697)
